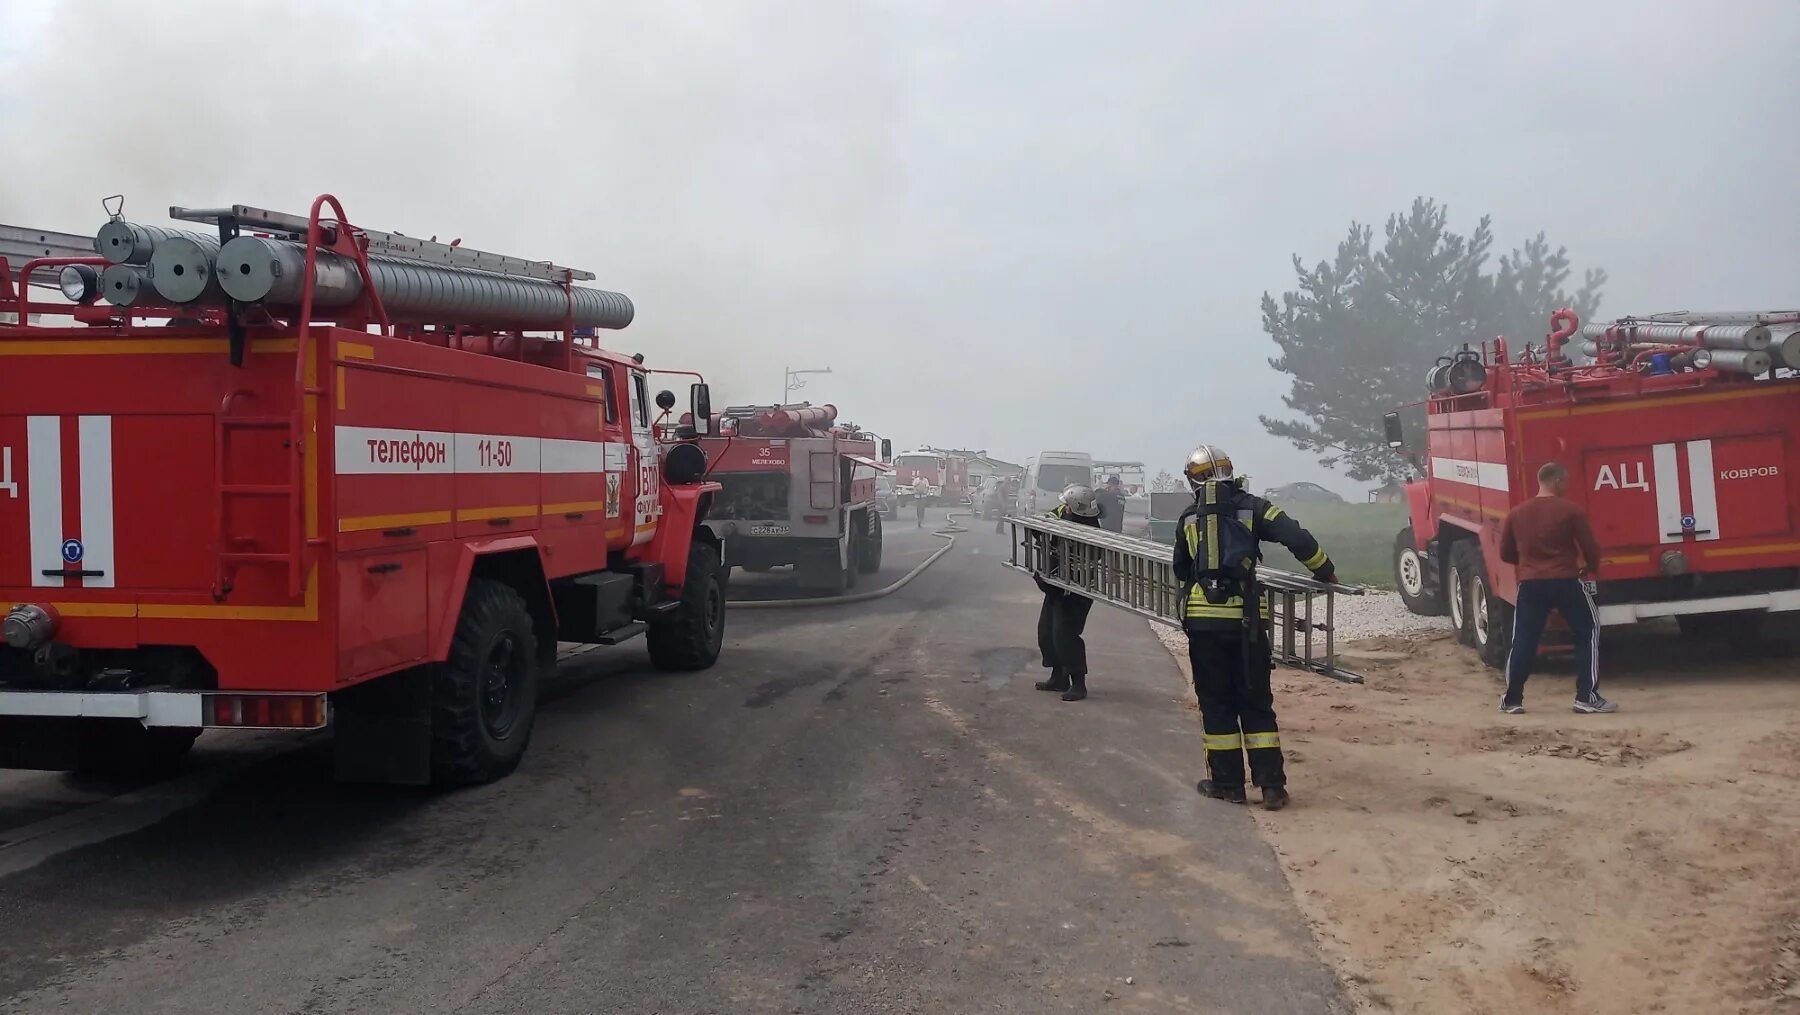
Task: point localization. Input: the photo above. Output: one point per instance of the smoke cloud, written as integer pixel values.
(1007, 226)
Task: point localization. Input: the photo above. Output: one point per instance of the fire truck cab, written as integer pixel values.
(343, 478)
(1681, 434)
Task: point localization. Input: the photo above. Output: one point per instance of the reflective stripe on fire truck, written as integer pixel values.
(1668, 493)
(96, 534)
(363, 450)
(53, 546)
(44, 490)
(1487, 475)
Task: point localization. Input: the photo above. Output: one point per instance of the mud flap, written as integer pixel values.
(381, 730)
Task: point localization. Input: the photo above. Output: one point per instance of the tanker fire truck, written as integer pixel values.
(796, 487)
(1681, 433)
(282, 472)
(946, 476)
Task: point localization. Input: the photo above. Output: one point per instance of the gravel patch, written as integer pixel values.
(1374, 615)
(1378, 615)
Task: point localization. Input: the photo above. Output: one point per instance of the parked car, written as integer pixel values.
(887, 502)
(1303, 493)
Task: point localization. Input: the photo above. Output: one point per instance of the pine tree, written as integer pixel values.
(1362, 329)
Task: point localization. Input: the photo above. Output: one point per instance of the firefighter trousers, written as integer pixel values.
(1237, 708)
(1060, 623)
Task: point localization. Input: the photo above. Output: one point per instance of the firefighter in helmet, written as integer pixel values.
(1064, 614)
(1217, 545)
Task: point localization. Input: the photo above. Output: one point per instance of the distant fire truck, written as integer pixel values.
(284, 472)
(797, 487)
(1682, 438)
(946, 475)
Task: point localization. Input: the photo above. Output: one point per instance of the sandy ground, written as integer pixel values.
(1452, 859)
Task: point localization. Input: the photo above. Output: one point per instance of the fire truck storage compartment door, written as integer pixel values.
(822, 479)
(1621, 502)
(1751, 480)
(381, 610)
(1688, 491)
(127, 500)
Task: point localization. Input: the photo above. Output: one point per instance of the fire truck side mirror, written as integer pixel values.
(887, 450)
(700, 404)
(1396, 437)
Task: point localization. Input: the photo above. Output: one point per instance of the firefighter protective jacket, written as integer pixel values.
(1269, 524)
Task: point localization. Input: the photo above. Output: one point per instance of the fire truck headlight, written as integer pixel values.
(1674, 563)
(79, 282)
(28, 626)
(1701, 358)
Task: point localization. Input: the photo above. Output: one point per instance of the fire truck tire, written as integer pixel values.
(1490, 617)
(869, 560)
(1465, 556)
(124, 747)
(1410, 577)
(692, 638)
(484, 697)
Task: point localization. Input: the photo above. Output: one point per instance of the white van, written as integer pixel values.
(1048, 474)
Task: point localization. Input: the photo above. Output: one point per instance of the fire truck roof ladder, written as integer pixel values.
(396, 245)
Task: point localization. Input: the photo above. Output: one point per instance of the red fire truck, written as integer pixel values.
(343, 477)
(946, 476)
(797, 487)
(1681, 434)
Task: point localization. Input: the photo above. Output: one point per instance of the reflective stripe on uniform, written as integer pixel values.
(1271, 514)
(1223, 741)
(1256, 740)
(1312, 563)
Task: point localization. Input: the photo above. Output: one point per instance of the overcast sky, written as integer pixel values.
(1003, 225)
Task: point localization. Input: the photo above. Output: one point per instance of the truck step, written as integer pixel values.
(619, 634)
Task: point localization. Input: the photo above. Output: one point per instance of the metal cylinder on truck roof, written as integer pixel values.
(123, 242)
(1742, 361)
(1719, 336)
(800, 415)
(1784, 346)
(181, 267)
(125, 284)
(254, 269)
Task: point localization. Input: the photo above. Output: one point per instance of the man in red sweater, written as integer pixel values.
(1548, 539)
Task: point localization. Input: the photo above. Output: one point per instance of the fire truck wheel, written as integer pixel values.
(1419, 594)
(869, 561)
(484, 698)
(1490, 617)
(692, 638)
(124, 747)
(1465, 556)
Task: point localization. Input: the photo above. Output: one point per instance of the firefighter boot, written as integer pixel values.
(1077, 687)
(1059, 681)
(1274, 798)
(1214, 791)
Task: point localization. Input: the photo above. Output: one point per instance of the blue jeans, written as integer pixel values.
(1536, 599)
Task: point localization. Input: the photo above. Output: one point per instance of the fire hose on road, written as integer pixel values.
(948, 533)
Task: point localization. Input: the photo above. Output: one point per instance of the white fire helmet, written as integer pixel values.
(1081, 502)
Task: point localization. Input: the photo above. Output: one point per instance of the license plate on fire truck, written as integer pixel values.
(769, 530)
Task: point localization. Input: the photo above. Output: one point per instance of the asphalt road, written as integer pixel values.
(860, 809)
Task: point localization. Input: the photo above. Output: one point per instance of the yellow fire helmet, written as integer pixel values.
(1209, 461)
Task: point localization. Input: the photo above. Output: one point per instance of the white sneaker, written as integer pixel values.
(1596, 704)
